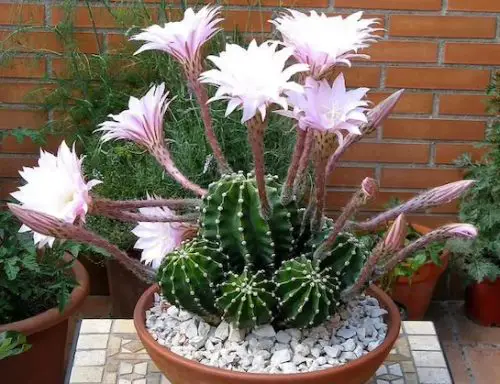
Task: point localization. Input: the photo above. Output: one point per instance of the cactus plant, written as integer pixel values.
(261, 252)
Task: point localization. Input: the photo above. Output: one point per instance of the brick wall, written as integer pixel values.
(442, 51)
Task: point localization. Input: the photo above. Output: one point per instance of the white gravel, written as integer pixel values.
(358, 329)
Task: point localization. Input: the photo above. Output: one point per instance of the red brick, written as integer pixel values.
(403, 51)
(247, 21)
(27, 93)
(10, 166)
(388, 153)
(465, 53)
(474, 5)
(23, 67)
(443, 26)
(432, 221)
(362, 77)
(7, 186)
(433, 129)
(82, 18)
(349, 177)
(48, 42)
(438, 78)
(409, 103)
(22, 14)
(279, 3)
(449, 153)
(419, 5)
(418, 177)
(9, 144)
(463, 104)
(118, 41)
(15, 118)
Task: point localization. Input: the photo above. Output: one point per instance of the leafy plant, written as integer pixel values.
(480, 259)
(12, 343)
(30, 283)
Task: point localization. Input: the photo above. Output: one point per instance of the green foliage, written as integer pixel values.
(29, 283)
(12, 343)
(258, 272)
(480, 259)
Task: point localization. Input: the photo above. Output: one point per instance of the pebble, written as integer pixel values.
(358, 329)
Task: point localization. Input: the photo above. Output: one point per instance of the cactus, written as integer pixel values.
(251, 270)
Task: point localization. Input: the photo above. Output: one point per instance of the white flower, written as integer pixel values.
(322, 41)
(182, 39)
(253, 78)
(329, 108)
(142, 122)
(55, 187)
(158, 239)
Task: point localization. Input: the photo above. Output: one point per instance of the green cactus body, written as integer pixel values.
(247, 299)
(307, 294)
(231, 216)
(189, 276)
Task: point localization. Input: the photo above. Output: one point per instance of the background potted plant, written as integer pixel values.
(411, 284)
(38, 293)
(260, 256)
(479, 261)
(12, 343)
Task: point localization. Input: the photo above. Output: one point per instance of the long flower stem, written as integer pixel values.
(320, 183)
(303, 163)
(101, 203)
(256, 129)
(201, 96)
(51, 226)
(287, 192)
(164, 158)
(139, 217)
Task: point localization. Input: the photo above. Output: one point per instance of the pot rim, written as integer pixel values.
(52, 316)
(394, 325)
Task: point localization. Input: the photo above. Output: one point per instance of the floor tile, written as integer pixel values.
(485, 363)
(457, 364)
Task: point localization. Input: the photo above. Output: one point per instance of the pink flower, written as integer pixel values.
(142, 122)
(322, 41)
(396, 235)
(182, 39)
(369, 187)
(57, 188)
(329, 108)
(158, 239)
(253, 78)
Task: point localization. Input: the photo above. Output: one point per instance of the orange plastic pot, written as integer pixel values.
(415, 294)
(180, 370)
(46, 332)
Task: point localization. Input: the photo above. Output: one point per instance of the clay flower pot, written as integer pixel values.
(481, 302)
(180, 370)
(46, 332)
(415, 294)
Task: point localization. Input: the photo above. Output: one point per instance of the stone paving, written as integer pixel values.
(472, 351)
(108, 351)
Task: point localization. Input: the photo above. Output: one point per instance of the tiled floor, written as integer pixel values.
(473, 352)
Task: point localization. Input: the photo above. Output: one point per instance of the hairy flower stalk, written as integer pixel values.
(449, 231)
(99, 204)
(367, 191)
(434, 197)
(151, 218)
(142, 123)
(393, 242)
(305, 157)
(375, 117)
(287, 190)
(256, 128)
(48, 225)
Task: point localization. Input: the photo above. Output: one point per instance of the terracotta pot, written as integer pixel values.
(415, 294)
(481, 302)
(125, 288)
(46, 332)
(180, 370)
